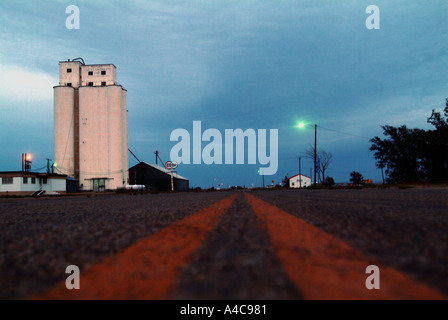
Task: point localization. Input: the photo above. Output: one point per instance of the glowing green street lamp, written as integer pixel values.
(302, 125)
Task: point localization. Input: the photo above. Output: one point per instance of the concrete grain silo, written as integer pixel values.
(64, 132)
(90, 126)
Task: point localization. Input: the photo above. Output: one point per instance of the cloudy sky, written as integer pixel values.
(257, 64)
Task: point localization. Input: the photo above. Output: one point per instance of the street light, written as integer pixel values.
(302, 125)
(262, 176)
(26, 162)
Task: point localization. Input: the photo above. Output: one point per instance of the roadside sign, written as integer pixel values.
(171, 165)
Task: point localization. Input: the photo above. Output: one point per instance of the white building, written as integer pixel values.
(26, 183)
(91, 126)
(299, 181)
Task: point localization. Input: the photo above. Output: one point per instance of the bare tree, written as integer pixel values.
(323, 159)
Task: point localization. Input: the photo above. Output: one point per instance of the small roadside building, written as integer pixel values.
(299, 181)
(28, 183)
(156, 178)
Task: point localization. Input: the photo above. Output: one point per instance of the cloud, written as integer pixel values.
(233, 64)
(20, 85)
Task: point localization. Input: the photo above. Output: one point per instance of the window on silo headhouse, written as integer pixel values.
(103, 84)
(69, 84)
(103, 73)
(90, 73)
(69, 70)
(90, 84)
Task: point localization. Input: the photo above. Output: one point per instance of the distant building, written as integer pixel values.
(91, 126)
(299, 181)
(156, 178)
(27, 183)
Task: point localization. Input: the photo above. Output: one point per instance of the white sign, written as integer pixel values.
(171, 165)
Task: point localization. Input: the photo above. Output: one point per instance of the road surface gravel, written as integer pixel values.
(39, 238)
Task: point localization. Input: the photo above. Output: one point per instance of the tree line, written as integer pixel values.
(414, 155)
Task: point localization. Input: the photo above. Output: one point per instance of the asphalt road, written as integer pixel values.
(276, 244)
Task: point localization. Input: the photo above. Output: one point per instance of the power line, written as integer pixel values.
(346, 133)
(40, 168)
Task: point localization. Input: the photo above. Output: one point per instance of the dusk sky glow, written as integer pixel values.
(231, 64)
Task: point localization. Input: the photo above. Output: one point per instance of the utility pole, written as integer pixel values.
(27, 162)
(158, 158)
(23, 164)
(262, 175)
(315, 152)
(300, 172)
(48, 166)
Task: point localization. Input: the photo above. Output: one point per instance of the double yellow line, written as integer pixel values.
(148, 269)
(321, 266)
(324, 267)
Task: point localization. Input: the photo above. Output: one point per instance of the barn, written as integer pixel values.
(156, 178)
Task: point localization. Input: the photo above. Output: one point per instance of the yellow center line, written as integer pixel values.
(148, 269)
(324, 267)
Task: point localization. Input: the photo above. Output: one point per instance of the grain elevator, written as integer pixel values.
(91, 126)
